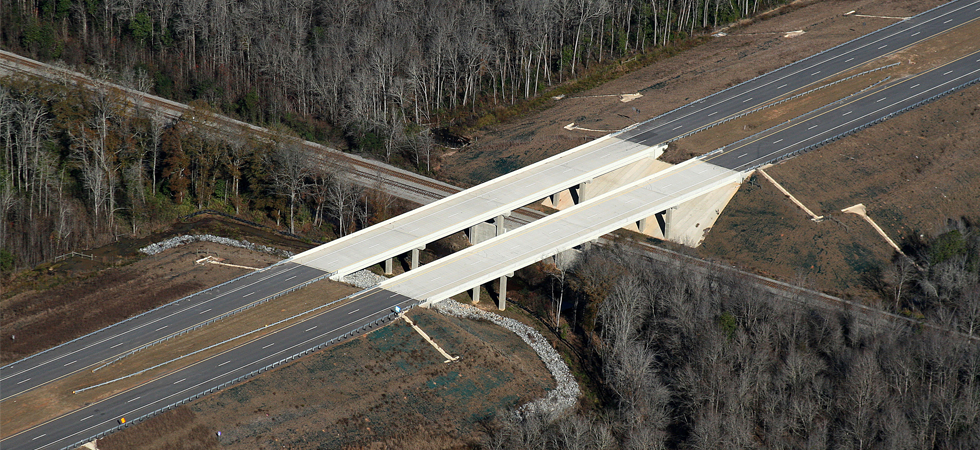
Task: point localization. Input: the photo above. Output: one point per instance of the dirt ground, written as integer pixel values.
(916, 59)
(721, 62)
(912, 172)
(389, 389)
(60, 396)
(57, 302)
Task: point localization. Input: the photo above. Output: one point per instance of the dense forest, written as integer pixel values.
(369, 68)
(693, 361)
(81, 168)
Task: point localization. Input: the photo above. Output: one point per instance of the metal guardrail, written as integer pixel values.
(808, 58)
(175, 302)
(866, 125)
(214, 319)
(281, 321)
(71, 254)
(770, 105)
(808, 113)
(363, 328)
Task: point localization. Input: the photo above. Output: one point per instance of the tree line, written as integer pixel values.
(370, 68)
(79, 168)
(693, 361)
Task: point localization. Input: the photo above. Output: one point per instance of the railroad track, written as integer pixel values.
(364, 170)
(420, 189)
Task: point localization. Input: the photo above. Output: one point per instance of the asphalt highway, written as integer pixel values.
(803, 73)
(105, 344)
(864, 108)
(82, 424)
(110, 342)
(421, 226)
(587, 221)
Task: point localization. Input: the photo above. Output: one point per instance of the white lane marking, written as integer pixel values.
(202, 312)
(750, 98)
(250, 293)
(73, 362)
(716, 112)
(158, 329)
(25, 380)
(310, 328)
(780, 87)
(114, 346)
(226, 362)
(948, 21)
(39, 437)
(743, 154)
(290, 278)
(354, 311)
(847, 113)
(814, 73)
(133, 400)
(88, 417)
(270, 345)
(915, 34)
(913, 87)
(778, 141)
(881, 100)
(677, 127)
(178, 381)
(849, 60)
(883, 46)
(947, 73)
(813, 127)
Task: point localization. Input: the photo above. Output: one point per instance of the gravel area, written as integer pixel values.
(177, 241)
(364, 279)
(566, 391)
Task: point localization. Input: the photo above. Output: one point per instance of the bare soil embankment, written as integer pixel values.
(912, 172)
(78, 389)
(746, 52)
(57, 302)
(388, 389)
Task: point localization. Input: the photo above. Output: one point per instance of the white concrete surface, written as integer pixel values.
(499, 196)
(561, 231)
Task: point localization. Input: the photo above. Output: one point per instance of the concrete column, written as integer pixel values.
(499, 223)
(389, 266)
(668, 218)
(476, 294)
(554, 199)
(581, 191)
(641, 224)
(502, 292)
(471, 233)
(415, 257)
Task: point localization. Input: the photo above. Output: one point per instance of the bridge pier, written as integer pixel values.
(499, 223)
(415, 257)
(502, 292)
(389, 266)
(476, 294)
(580, 191)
